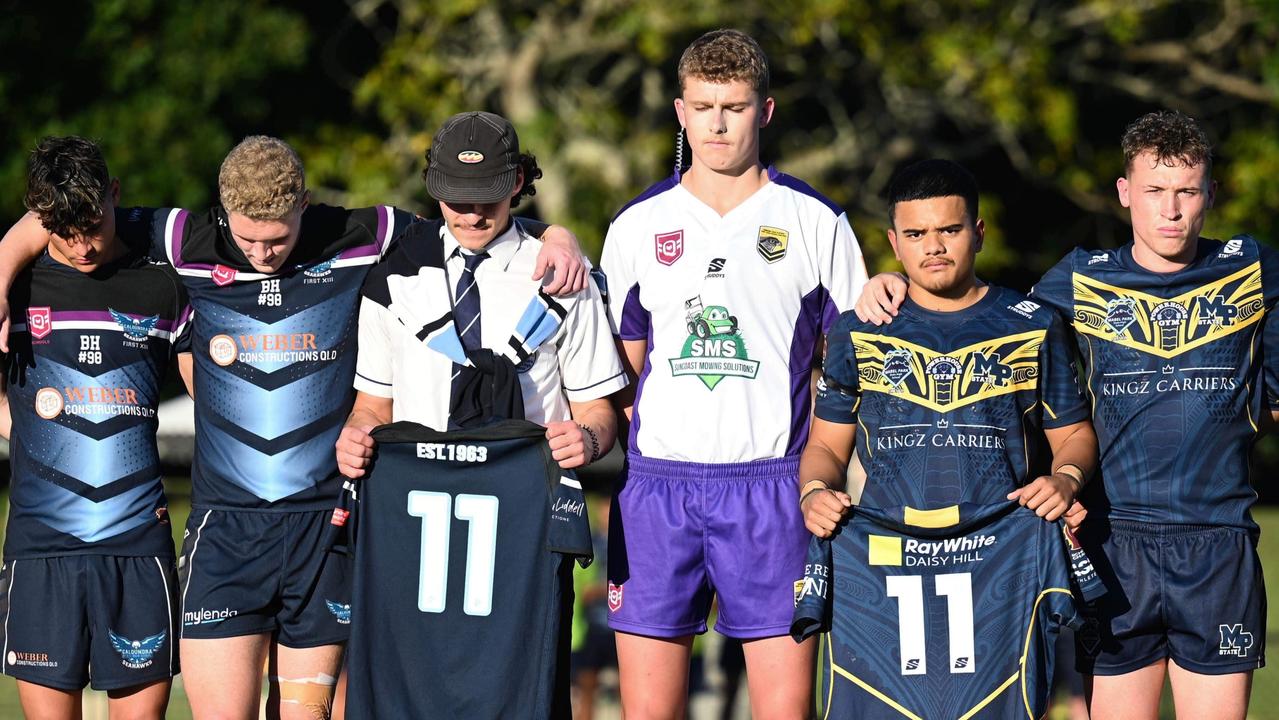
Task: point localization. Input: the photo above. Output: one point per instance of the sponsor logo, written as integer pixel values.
(716, 268)
(39, 322)
(49, 403)
(207, 617)
(1104, 257)
(568, 506)
(614, 597)
(771, 243)
(222, 349)
(897, 367)
(1234, 640)
(815, 582)
(30, 659)
(341, 611)
(911, 664)
(340, 517)
(136, 329)
(1121, 313)
(1215, 310)
(911, 552)
(1233, 248)
(714, 349)
(136, 654)
(1024, 308)
(222, 275)
(90, 401)
(669, 246)
(470, 157)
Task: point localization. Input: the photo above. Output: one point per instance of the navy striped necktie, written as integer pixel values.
(466, 305)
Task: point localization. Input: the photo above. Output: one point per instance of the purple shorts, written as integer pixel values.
(681, 533)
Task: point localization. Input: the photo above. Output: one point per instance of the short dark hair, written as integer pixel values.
(931, 179)
(725, 55)
(67, 182)
(1173, 138)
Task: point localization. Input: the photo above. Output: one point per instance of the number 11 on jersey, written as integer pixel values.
(957, 588)
(437, 511)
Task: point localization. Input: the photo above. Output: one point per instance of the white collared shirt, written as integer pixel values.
(577, 362)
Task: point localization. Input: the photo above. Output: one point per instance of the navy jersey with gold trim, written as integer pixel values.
(274, 353)
(943, 613)
(950, 406)
(1178, 367)
(88, 355)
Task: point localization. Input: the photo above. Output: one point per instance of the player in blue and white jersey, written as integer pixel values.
(88, 592)
(275, 282)
(722, 281)
(1180, 354)
(951, 403)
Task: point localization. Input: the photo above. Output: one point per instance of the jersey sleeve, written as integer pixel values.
(837, 391)
(812, 597)
(628, 318)
(1054, 289)
(842, 271)
(589, 366)
(1059, 391)
(1269, 259)
(570, 531)
(373, 367)
(397, 221)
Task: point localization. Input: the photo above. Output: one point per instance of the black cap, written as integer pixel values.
(474, 158)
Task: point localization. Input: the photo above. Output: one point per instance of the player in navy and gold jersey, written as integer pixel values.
(1180, 355)
(949, 404)
(944, 613)
(88, 590)
(275, 284)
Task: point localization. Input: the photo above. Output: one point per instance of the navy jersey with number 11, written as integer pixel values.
(940, 613)
(463, 595)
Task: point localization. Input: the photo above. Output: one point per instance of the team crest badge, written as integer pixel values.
(341, 611)
(670, 246)
(896, 366)
(614, 597)
(321, 269)
(1121, 313)
(135, 329)
(137, 653)
(39, 322)
(223, 275)
(771, 243)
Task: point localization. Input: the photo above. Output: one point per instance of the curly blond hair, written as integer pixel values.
(725, 55)
(262, 178)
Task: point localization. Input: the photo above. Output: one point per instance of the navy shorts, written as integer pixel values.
(1192, 593)
(247, 573)
(681, 533)
(108, 618)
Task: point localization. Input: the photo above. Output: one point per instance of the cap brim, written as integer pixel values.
(454, 189)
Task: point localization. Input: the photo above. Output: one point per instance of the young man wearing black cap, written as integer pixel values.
(455, 290)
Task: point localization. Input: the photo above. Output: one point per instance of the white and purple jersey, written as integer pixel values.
(734, 309)
(274, 353)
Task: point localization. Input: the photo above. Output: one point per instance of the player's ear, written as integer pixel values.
(892, 240)
(113, 191)
(679, 112)
(1121, 185)
(766, 112)
(979, 230)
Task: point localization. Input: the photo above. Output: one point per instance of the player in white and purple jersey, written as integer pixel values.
(275, 284)
(723, 280)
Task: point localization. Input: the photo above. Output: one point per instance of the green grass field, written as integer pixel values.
(1265, 688)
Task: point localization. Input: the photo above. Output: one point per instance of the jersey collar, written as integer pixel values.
(501, 248)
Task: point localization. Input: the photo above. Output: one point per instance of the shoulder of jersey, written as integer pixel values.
(806, 191)
(646, 197)
(1084, 260)
(1017, 305)
(1241, 247)
(418, 246)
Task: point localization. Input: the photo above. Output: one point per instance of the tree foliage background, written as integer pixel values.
(1032, 95)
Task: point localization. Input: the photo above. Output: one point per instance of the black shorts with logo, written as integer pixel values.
(106, 618)
(246, 573)
(1192, 593)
